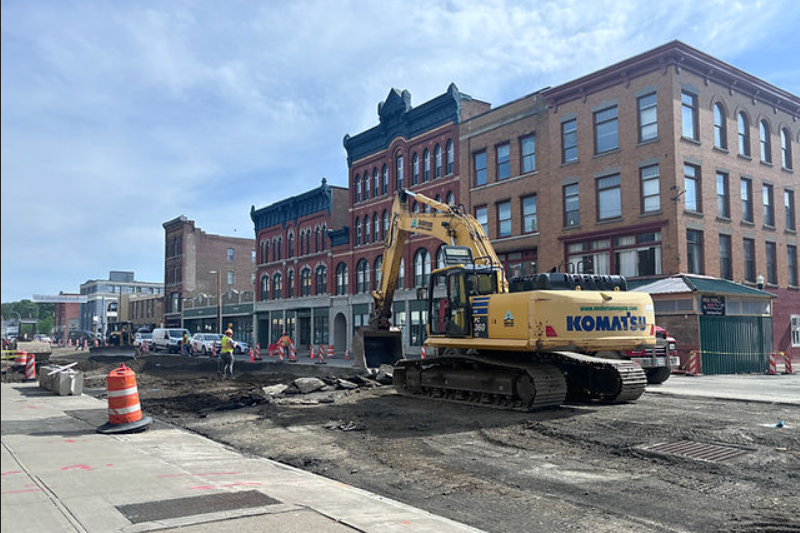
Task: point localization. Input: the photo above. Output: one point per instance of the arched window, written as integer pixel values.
(438, 199)
(374, 182)
(274, 249)
(385, 181)
(290, 284)
(399, 173)
(450, 157)
(305, 282)
(303, 242)
(720, 129)
(786, 149)
(316, 240)
(744, 134)
(376, 226)
(341, 279)
(367, 230)
(451, 199)
(401, 274)
(385, 226)
(437, 162)
(358, 232)
(324, 235)
(766, 144)
(378, 273)
(308, 241)
(426, 166)
(362, 277)
(422, 268)
(291, 246)
(264, 287)
(358, 188)
(322, 279)
(415, 169)
(366, 186)
(277, 286)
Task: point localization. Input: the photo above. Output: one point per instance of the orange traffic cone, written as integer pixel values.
(124, 409)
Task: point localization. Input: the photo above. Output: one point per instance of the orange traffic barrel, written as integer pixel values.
(124, 410)
(21, 358)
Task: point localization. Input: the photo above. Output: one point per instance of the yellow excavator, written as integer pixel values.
(532, 343)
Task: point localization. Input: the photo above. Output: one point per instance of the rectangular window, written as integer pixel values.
(529, 220)
(651, 197)
(694, 251)
(749, 251)
(527, 149)
(609, 197)
(725, 260)
(791, 263)
(747, 199)
(230, 255)
(504, 219)
(606, 130)
(769, 205)
(569, 141)
(503, 161)
(795, 324)
(723, 196)
(691, 186)
(482, 216)
(771, 251)
(230, 277)
(572, 215)
(788, 205)
(648, 125)
(480, 168)
(689, 115)
(399, 172)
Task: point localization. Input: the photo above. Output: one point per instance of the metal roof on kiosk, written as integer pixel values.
(685, 283)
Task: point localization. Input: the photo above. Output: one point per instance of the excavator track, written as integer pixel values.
(597, 378)
(501, 383)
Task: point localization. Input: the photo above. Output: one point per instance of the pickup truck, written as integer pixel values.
(657, 363)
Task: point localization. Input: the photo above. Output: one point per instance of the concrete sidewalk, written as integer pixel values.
(58, 474)
(783, 389)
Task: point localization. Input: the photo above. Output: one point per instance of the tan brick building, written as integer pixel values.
(671, 161)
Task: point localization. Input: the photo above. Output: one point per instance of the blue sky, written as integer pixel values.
(119, 116)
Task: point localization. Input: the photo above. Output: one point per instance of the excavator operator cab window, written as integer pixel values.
(449, 314)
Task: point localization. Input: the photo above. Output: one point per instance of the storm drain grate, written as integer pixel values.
(698, 450)
(180, 507)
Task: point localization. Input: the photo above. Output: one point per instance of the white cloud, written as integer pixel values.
(119, 116)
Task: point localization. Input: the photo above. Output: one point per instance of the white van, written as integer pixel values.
(168, 339)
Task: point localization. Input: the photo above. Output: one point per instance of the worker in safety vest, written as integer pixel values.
(285, 341)
(228, 344)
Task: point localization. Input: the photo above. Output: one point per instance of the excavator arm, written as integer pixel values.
(377, 344)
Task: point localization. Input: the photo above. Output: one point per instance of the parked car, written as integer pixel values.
(43, 338)
(168, 339)
(141, 337)
(204, 342)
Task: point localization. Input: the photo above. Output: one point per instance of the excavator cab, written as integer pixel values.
(453, 293)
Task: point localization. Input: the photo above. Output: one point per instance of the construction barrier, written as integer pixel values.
(423, 353)
(124, 409)
(258, 351)
(773, 364)
(330, 351)
(292, 353)
(30, 368)
(280, 352)
(347, 354)
(694, 364)
(320, 355)
(21, 359)
(787, 363)
(145, 346)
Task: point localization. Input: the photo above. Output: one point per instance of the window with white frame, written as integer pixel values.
(764, 142)
(689, 116)
(795, 322)
(529, 217)
(504, 219)
(648, 118)
(691, 187)
(651, 189)
(720, 127)
(527, 151)
(569, 141)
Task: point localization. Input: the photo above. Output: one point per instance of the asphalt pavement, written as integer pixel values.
(781, 388)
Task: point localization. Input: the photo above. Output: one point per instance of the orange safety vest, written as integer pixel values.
(285, 341)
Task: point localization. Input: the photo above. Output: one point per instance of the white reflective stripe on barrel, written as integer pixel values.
(125, 410)
(122, 392)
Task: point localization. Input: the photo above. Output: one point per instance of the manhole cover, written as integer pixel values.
(698, 450)
(180, 507)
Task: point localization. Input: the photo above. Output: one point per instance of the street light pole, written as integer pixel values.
(219, 298)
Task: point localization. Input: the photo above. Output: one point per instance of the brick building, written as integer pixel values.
(198, 264)
(66, 316)
(415, 148)
(293, 270)
(671, 161)
(141, 310)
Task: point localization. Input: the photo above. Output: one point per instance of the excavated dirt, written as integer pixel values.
(582, 467)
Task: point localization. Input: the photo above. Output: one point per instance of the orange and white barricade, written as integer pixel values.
(21, 358)
(124, 409)
(320, 355)
(330, 351)
(787, 363)
(145, 346)
(347, 354)
(694, 364)
(30, 368)
(423, 352)
(773, 364)
(258, 351)
(292, 353)
(280, 352)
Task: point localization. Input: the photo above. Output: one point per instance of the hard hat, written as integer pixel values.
(228, 331)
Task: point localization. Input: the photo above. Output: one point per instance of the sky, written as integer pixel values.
(119, 116)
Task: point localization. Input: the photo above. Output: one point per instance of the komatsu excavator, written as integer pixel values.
(528, 344)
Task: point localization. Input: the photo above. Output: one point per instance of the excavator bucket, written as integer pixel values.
(375, 347)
